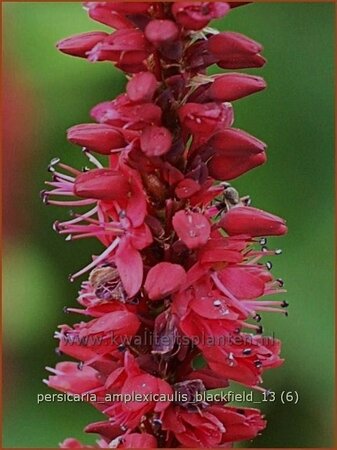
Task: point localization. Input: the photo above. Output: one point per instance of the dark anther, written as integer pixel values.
(263, 241)
(269, 265)
(53, 163)
(280, 282)
(259, 330)
(264, 249)
(56, 226)
(286, 313)
(121, 348)
(85, 169)
(44, 196)
(257, 364)
(247, 351)
(284, 304)
(80, 365)
(257, 317)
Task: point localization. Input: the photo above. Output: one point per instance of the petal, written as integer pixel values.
(130, 267)
(164, 279)
(192, 228)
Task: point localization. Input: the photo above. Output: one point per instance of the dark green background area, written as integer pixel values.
(294, 116)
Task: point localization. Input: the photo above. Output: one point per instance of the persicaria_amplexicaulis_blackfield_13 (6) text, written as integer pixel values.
(182, 251)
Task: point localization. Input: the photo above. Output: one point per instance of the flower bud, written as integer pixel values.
(234, 153)
(141, 87)
(126, 47)
(205, 118)
(80, 44)
(155, 141)
(197, 15)
(98, 138)
(102, 184)
(235, 51)
(233, 86)
(104, 12)
(164, 279)
(253, 222)
(159, 32)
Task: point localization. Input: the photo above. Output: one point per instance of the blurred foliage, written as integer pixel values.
(294, 116)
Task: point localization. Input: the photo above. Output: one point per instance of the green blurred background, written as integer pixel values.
(46, 92)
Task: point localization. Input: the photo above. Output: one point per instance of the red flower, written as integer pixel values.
(127, 48)
(197, 15)
(102, 184)
(98, 138)
(123, 113)
(134, 380)
(207, 118)
(69, 378)
(212, 427)
(181, 275)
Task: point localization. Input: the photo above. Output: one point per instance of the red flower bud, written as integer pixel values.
(98, 138)
(159, 32)
(253, 222)
(80, 44)
(155, 141)
(192, 228)
(233, 86)
(104, 12)
(141, 87)
(123, 113)
(102, 184)
(205, 118)
(126, 47)
(235, 51)
(164, 279)
(197, 15)
(235, 152)
(186, 188)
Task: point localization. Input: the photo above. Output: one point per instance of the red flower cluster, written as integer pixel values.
(171, 296)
